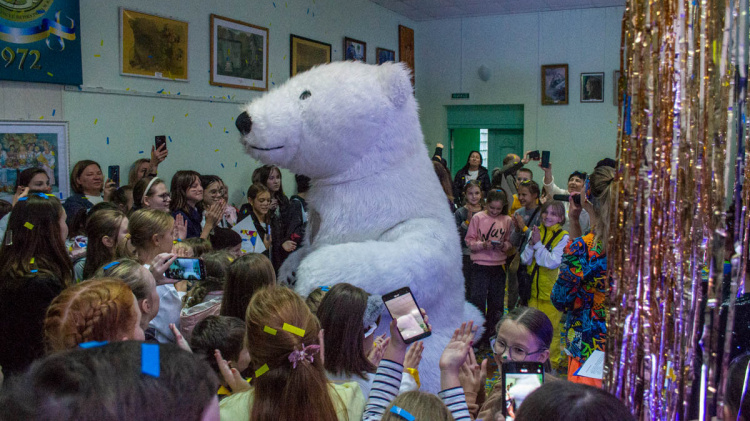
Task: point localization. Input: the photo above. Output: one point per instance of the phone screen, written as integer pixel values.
(519, 380)
(404, 310)
(114, 174)
(184, 268)
(159, 141)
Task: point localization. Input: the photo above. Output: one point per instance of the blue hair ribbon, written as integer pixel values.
(109, 265)
(325, 288)
(92, 344)
(150, 359)
(401, 412)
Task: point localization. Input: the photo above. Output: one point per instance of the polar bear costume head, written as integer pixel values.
(357, 110)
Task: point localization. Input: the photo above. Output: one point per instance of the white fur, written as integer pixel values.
(379, 218)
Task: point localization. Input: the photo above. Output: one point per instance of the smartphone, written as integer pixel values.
(159, 141)
(186, 268)
(545, 159)
(114, 174)
(566, 197)
(404, 309)
(519, 380)
(495, 243)
(534, 155)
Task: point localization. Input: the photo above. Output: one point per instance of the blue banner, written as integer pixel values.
(40, 41)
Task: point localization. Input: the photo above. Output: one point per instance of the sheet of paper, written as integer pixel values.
(593, 367)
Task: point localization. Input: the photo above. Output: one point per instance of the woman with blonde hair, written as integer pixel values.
(97, 310)
(141, 282)
(150, 238)
(581, 293)
(288, 366)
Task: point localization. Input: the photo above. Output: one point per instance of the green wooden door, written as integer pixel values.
(463, 141)
(500, 143)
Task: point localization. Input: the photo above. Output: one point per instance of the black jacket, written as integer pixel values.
(460, 181)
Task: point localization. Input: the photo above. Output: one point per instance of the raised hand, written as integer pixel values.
(414, 355)
(231, 375)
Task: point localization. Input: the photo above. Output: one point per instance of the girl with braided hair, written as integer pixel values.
(34, 269)
(290, 380)
(96, 310)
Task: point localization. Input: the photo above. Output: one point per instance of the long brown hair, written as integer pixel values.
(341, 314)
(283, 392)
(245, 277)
(34, 232)
(104, 223)
(181, 182)
(252, 192)
(95, 310)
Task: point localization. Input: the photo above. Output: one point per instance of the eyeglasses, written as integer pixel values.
(516, 353)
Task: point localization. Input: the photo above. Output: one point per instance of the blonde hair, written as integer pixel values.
(94, 310)
(303, 390)
(142, 225)
(423, 406)
(600, 182)
(128, 271)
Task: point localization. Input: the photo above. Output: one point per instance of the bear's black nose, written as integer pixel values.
(244, 123)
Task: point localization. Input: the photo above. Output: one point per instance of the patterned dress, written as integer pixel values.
(580, 290)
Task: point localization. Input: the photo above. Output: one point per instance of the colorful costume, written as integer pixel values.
(580, 290)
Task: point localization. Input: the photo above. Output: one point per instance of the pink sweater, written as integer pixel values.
(484, 227)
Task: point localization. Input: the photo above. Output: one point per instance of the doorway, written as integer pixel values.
(493, 130)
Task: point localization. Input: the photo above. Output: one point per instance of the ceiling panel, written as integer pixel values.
(420, 10)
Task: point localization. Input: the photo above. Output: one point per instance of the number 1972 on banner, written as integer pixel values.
(21, 53)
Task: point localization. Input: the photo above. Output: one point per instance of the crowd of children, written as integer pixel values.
(92, 327)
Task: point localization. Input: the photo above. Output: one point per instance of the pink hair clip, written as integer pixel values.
(306, 353)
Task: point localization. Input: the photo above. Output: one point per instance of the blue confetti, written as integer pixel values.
(140, 151)
(107, 140)
(60, 195)
(226, 131)
(273, 83)
(150, 56)
(150, 359)
(34, 271)
(92, 344)
(109, 265)
(222, 165)
(274, 4)
(308, 10)
(160, 90)
(235, 165)
(41, 12)
(178, 93)
(170, 137)
(53, 112)
(313, 14)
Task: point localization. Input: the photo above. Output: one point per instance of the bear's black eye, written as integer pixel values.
(305, 95)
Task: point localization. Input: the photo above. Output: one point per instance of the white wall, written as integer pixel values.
(127, 119)
(514, 47)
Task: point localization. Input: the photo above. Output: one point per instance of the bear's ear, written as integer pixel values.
(395, 81)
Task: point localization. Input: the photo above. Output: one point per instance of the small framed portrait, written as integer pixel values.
(555, 84)
(618, 84)
(355, 50)
(592, 87)
(383, 55)
(153, 46)
(239, 54)
(307, 53)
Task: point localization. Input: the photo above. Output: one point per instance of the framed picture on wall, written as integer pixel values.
(406, 48)
(555, 84)
(307, 53)
(383, 55)
(355, 50)
(592, 87)
(25, 144)
(239, 54)
(618, 85)
(153, 46)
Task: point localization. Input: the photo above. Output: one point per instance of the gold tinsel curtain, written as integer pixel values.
(682, 143)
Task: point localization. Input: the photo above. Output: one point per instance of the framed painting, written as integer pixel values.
(239, 54)
(592, 87)
(618, 85)
(307, 53)
(406, 48)
(355, 50)
(383, 55)
(153, 46)
(25, 144)
(555, 84)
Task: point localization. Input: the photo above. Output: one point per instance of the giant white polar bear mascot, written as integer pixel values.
(379, 218)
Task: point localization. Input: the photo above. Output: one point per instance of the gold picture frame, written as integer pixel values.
(306, 53)
(153, 46)
(555, 84)
(239, 54)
